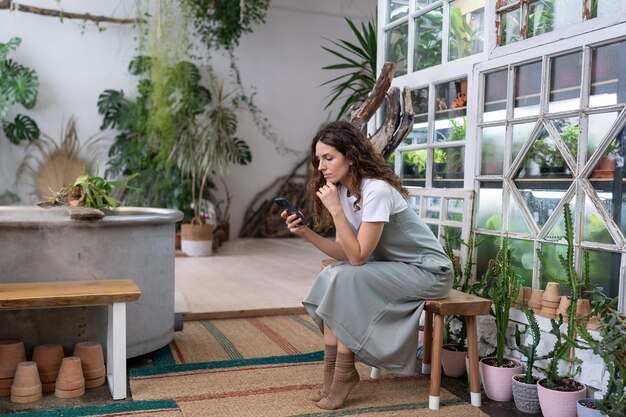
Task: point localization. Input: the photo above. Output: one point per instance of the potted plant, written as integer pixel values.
(609, 345)
(206, 145)
(454, 352)
(559, 392)
(525, 385)
(498, 371)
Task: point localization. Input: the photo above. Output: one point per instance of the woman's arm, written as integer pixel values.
(329, 247)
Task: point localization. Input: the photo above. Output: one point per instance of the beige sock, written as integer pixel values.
(346, 377)
(330, 357)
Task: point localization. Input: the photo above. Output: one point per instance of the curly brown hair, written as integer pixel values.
(366, 163)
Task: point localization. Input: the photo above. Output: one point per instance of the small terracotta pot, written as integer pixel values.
(524, 294)
(61, 393)
(563, 306)
(26, 385)
(583, 308)
(5, 386)
(549, 313)
(535, 301)
(12, 352)
(48, 359)
(552, 292)
(91, 358)
(93, 383)
(70, 375)
(594, 323)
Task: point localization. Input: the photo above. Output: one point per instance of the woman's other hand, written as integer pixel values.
(329, 196)
(293, 222)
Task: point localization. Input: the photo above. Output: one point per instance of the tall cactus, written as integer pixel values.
(533, 336)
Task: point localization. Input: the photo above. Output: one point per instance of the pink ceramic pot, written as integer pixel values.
(497, 381)
(559, 403)
(453, 362)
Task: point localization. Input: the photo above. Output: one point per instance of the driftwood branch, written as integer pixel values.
(361, 115)
(390, 124)
(10, 5)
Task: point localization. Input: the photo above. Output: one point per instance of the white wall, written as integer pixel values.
(281, 58)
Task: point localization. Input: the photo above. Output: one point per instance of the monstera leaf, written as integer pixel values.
(22, 128)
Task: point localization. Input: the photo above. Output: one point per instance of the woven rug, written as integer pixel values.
(268, 367)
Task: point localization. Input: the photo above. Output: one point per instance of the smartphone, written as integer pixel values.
(284, 204)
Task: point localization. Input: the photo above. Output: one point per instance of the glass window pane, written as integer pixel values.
(605, 8)
(420, 120)
(509, 27)
(541, 198)
(455, 209)
(454, 236)
(527, 89)
(486, 250)
(517, 222)
(547, 15)
(414, 202)
(604, 271)
(495, 96)
(413, 168)
(594, 227)
(492, 150)
(397, 9)
(568, 129)
(608, 75)
(490, 206)
(433, 208)
(397, 46)
(565, 75)
(523, 259)
(521, 133)
(466, 28)
(448, 163)
(544, 160)
(450, 122)
(551, 265)
(420, 4)
(598, 125)
(428, 28)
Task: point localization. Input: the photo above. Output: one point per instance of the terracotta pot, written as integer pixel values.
(549, 313)
(12, 352)
(583, 308)
(552, 292)
(525, 396)
(559, 403)
(497, 381)
(70, 375)
(48, 359)
(524, 294)
(535, 300)
(26, 385)
(61, 393)
(594, 323)
(91, 359)
(453, 362)
(563, 306)
(605, 167)
(197, 239)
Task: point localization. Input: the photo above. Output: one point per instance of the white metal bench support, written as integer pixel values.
(116, 350)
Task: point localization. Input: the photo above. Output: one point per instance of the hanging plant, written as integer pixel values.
(18, 85)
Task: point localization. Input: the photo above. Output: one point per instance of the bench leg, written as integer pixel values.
(116, 350)
(435, 376)
(472, 350)
(428, 335)
(375, 373)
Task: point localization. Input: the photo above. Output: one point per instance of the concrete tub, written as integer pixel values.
(45, 245)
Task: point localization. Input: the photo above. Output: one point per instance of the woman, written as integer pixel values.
(368, 304)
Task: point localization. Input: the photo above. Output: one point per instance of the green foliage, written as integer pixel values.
(221, 23)
(428, 41)
(18, 85)
(359, 59)
(97, 190)
(506, 286)
(533, 336)
(611, 348)
(462, 35)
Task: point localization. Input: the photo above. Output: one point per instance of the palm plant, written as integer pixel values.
(360, 60)
(207, 145)
(18, 85)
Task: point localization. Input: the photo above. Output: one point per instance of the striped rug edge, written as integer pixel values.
(96, 410)
(168, 369)
(368, 410)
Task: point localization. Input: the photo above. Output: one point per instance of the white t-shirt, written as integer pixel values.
(378, 201)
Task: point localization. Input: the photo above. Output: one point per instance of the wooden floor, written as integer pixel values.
(247, 277)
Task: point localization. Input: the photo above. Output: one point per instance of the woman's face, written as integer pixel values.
(332, 164)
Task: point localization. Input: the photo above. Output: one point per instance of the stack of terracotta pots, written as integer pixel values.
(523, 295)
(583, 309)
(92, 360)
(70, 382)
(550, 300)
(562, 308)
(12, 352)
(26, 387)
(48, 358)
(535, 301)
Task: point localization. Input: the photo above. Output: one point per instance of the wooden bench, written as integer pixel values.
(114, 293)
(457, 303)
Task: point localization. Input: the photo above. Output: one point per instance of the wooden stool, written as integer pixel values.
(459, 304)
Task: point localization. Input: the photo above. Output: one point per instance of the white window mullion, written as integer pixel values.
(411, 45)
(445, 30)
(472, 142)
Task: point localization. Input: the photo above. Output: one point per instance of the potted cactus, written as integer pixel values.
(525, 385)
(497, 371)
